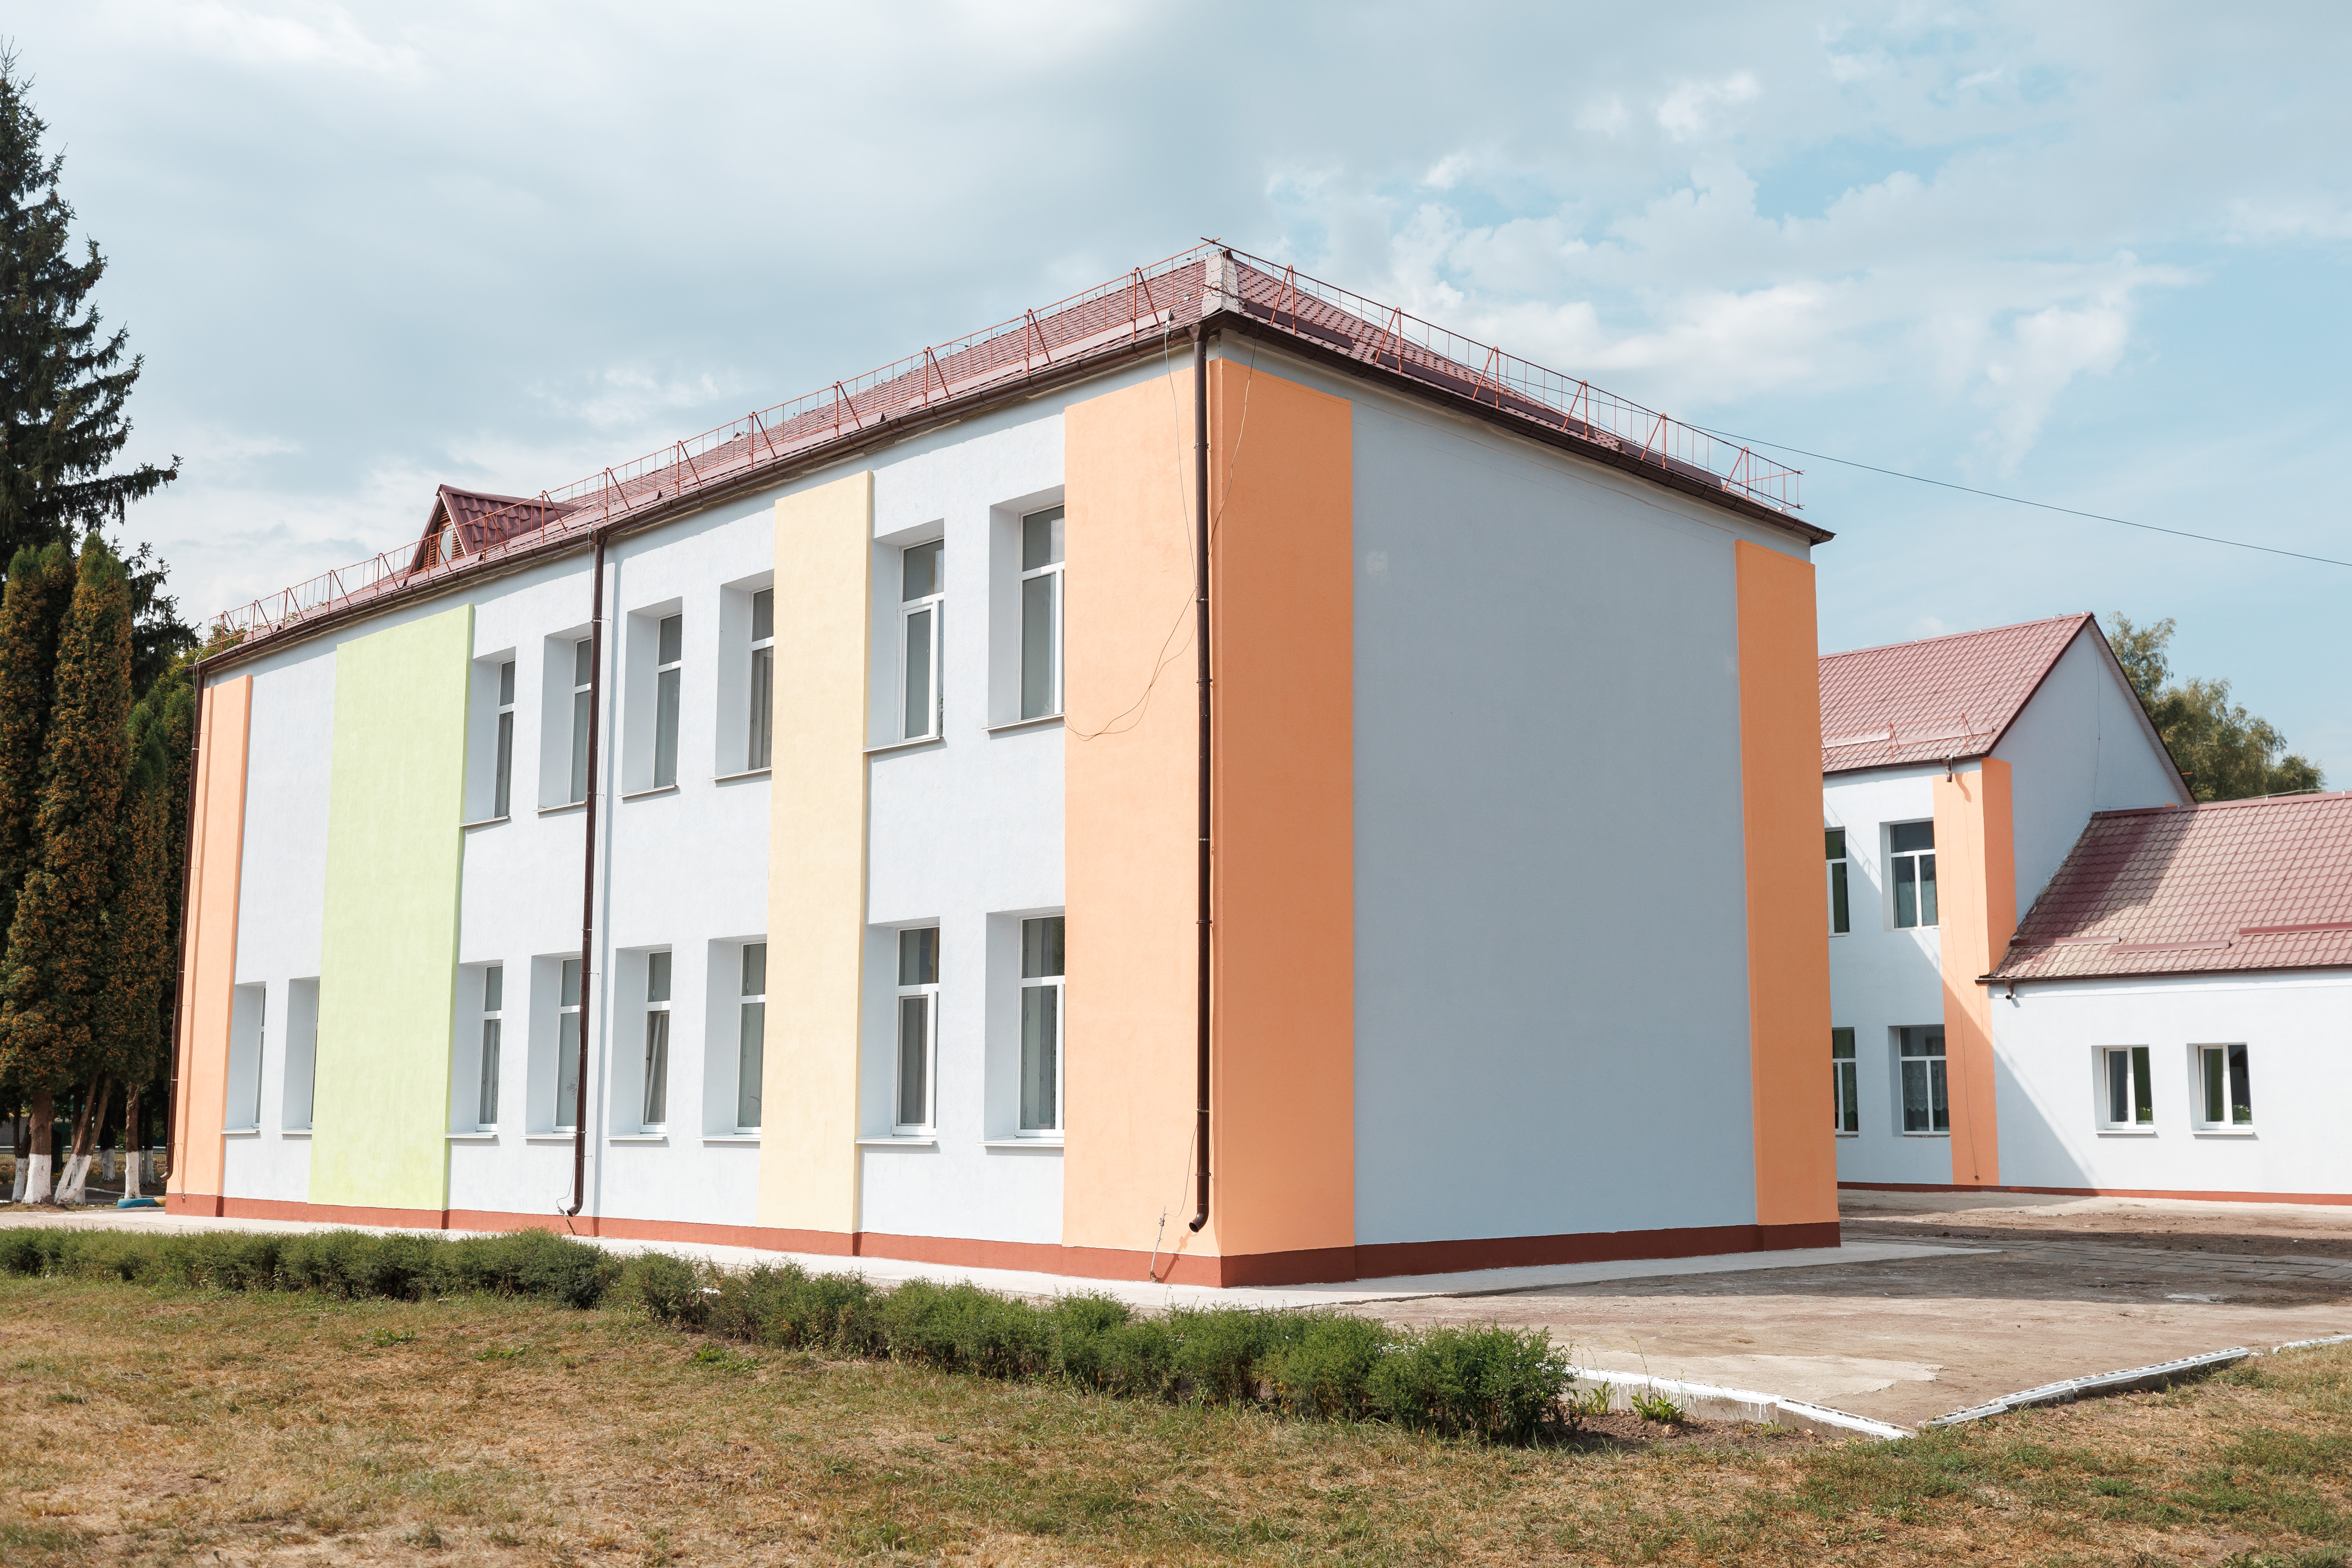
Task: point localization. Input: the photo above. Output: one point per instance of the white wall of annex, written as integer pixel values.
(2296, 1027)
(1551, 976)
(1882, 977)
(2081, 744)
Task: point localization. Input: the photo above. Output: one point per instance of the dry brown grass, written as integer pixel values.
(152, 1425)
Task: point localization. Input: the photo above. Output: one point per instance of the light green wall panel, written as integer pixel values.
(388, 950)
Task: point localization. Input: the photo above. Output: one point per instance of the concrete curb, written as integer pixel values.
(2159, 1374)
(1708, 1400)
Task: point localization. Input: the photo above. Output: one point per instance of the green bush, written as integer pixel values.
(1499, 1384)
(1324, 1368)
(670, 1289)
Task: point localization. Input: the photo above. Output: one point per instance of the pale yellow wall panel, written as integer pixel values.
(816, 864)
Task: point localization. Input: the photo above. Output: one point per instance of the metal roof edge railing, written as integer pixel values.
(1155, 299)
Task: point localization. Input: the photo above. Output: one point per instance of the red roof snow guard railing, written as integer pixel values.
(1148, 302)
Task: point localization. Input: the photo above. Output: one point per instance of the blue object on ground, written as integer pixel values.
(136, 1203)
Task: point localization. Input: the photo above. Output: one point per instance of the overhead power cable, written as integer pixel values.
(2021, 500)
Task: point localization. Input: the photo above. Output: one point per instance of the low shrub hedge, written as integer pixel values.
(1492, 1384)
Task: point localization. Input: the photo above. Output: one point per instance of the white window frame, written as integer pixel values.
(760, 737)
(488, 1061)
(935, 603)
(927, 991)
(1895, 861)
(1845, 1099)
(2200, 1088)
(581, 697)
(669, 698)
(1051, 574)
(567, 1105)
(748, 1046)
(1058, 984)
(653, 1082)
(2138, 1083)
(503, 785)
(1927, 1066)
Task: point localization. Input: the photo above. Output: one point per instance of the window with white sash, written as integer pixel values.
(913, 1110)
(922, 594)
(2225, 1088)
(1041, 1028)
(751, 1037)
(1041, 614)
(654, 1114)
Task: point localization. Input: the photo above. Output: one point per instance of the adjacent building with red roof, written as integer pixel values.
(1957, 774)
(2173, 1014)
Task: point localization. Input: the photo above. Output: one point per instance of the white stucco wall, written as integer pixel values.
(2080, 744)
(1882, 977)
(1551, 976)
(2297, 1029)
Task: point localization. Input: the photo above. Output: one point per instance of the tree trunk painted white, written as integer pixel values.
(77, 1176)
(37, 1186)
(132, 1159)
(24, 1165)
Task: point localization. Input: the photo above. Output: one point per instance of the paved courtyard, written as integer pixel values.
(2028, 1290)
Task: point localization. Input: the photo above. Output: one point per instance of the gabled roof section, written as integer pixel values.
(467, 522)
(2235, 885)
(1934, 700)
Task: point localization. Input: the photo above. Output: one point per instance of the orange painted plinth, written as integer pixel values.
(1304, 1266)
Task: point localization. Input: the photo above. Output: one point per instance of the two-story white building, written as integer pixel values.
(1958, 773)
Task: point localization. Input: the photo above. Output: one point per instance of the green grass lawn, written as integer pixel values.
(162, 1425)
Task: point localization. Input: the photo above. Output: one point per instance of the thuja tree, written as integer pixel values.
(59, 944)
(130, 1030)
(32, 610)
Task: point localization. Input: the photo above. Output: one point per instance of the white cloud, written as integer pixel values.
(1689, 109)
(302, 36)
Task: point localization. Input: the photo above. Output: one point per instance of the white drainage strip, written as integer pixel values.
(1706, 1401)
(2159, 1375)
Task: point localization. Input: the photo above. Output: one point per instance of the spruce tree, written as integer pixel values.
(33, 608)
(58, 944)
(63, 387)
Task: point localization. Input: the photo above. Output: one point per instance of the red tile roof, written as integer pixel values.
(1928, 701)
(482, 519)
(2238, 884)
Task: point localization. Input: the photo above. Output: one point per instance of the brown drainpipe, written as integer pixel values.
(1200, 643)
(588, 878)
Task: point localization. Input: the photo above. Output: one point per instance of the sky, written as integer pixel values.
(2092, 254)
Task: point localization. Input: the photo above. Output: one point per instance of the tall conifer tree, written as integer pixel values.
(59, 945)
(62, 396)
(32, 610)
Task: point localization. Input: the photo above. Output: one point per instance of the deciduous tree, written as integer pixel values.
(2226, 752)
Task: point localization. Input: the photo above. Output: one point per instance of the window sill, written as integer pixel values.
(1042, 719)
(294, 1132)
(551, 1137)
(908, 745)
(2222, 1133)
(752, 1138)
(2126, 1131)
(746, 773)
(1857, 1135)
(560, 810)
(485, 822)
(649, 793)
(911, 1141)
(490, 1137)
(1945, 1135)
(636, 1137)
(1053, 1143)
(240, 1132)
